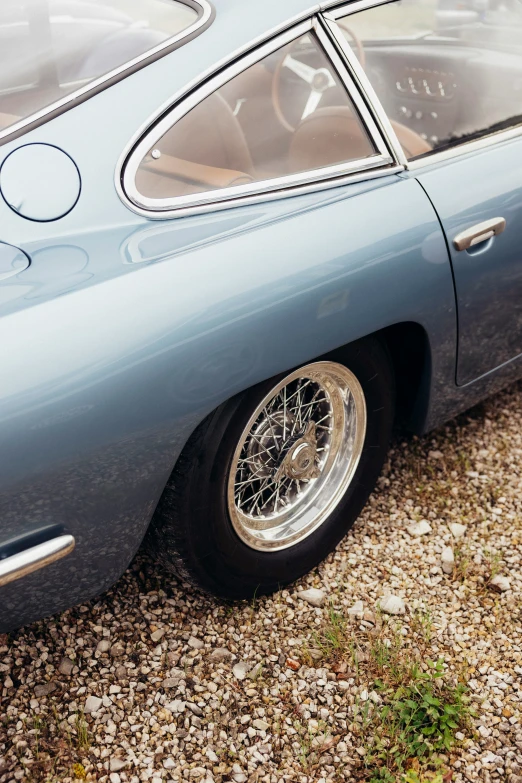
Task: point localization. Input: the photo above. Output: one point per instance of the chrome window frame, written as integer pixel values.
(336, 10)
(363, 83)
(381, 163)
(331, 15)
(206, 16)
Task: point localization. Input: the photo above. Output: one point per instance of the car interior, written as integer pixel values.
(290, 113)
(444, 91)
(257, 126)
(51, 48)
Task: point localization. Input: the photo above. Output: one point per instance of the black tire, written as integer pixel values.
(191, 533)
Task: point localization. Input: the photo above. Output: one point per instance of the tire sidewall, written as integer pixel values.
(227, 566)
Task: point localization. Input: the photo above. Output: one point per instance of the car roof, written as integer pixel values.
(267, 8)
(270, 13)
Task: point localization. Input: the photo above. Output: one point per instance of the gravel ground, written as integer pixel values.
(152, 682)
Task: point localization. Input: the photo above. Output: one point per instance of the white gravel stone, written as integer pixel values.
(103, 646)
(45, 689)
(392, 604)
(157, 635)
(116, 764)
(491, 759)
(197, 644)
(421, 528)
(457, 530)
(501, 583)
(177, 706)
(66, 667)
(92, 704)
(260, 724)
(447, 560)
(357, 610)
(240, 670)
(221, 654)
(171, 682)
(313, 596)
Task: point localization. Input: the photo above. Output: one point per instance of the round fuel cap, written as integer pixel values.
(40, 182)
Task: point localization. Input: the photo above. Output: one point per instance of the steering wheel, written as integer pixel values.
(318, 81)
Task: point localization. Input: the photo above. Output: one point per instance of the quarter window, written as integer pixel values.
(446, 71)
(286, 114)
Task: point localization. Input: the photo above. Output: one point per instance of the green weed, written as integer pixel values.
(417, 720)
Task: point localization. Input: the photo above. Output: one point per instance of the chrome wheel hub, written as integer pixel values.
(296, 456)
(298, 459)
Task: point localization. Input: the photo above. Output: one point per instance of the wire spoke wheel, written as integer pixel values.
(273, 479)
(297, 456)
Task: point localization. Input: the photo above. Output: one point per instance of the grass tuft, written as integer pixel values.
(82, 732)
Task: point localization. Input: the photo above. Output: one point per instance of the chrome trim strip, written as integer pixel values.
(254, 188)
(298, 190)
(206, 15)
(365, 87)
(462, 149)
(241, 194)
(335, 10)
(261, 198)
(332, 52)
(30, 560)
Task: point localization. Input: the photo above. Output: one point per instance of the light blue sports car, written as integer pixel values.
(237, 243)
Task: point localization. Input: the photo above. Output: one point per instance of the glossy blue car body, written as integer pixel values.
(125, 332)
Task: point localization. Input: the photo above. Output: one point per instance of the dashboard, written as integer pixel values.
(426, 83)
(445, 91)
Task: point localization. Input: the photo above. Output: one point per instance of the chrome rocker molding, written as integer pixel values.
(380, 164)
(23, 563)
(206, 15)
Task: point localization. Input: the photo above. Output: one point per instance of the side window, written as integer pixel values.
(446, 71)
(50, 49)
(287, 114)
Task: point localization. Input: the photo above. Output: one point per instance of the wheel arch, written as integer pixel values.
(409, 347)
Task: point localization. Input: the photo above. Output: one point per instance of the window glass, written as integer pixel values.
(288, 113)
(51, 48)
(446, 71)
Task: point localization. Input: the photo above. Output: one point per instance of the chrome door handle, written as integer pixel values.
(29, 560)
(479, 233)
